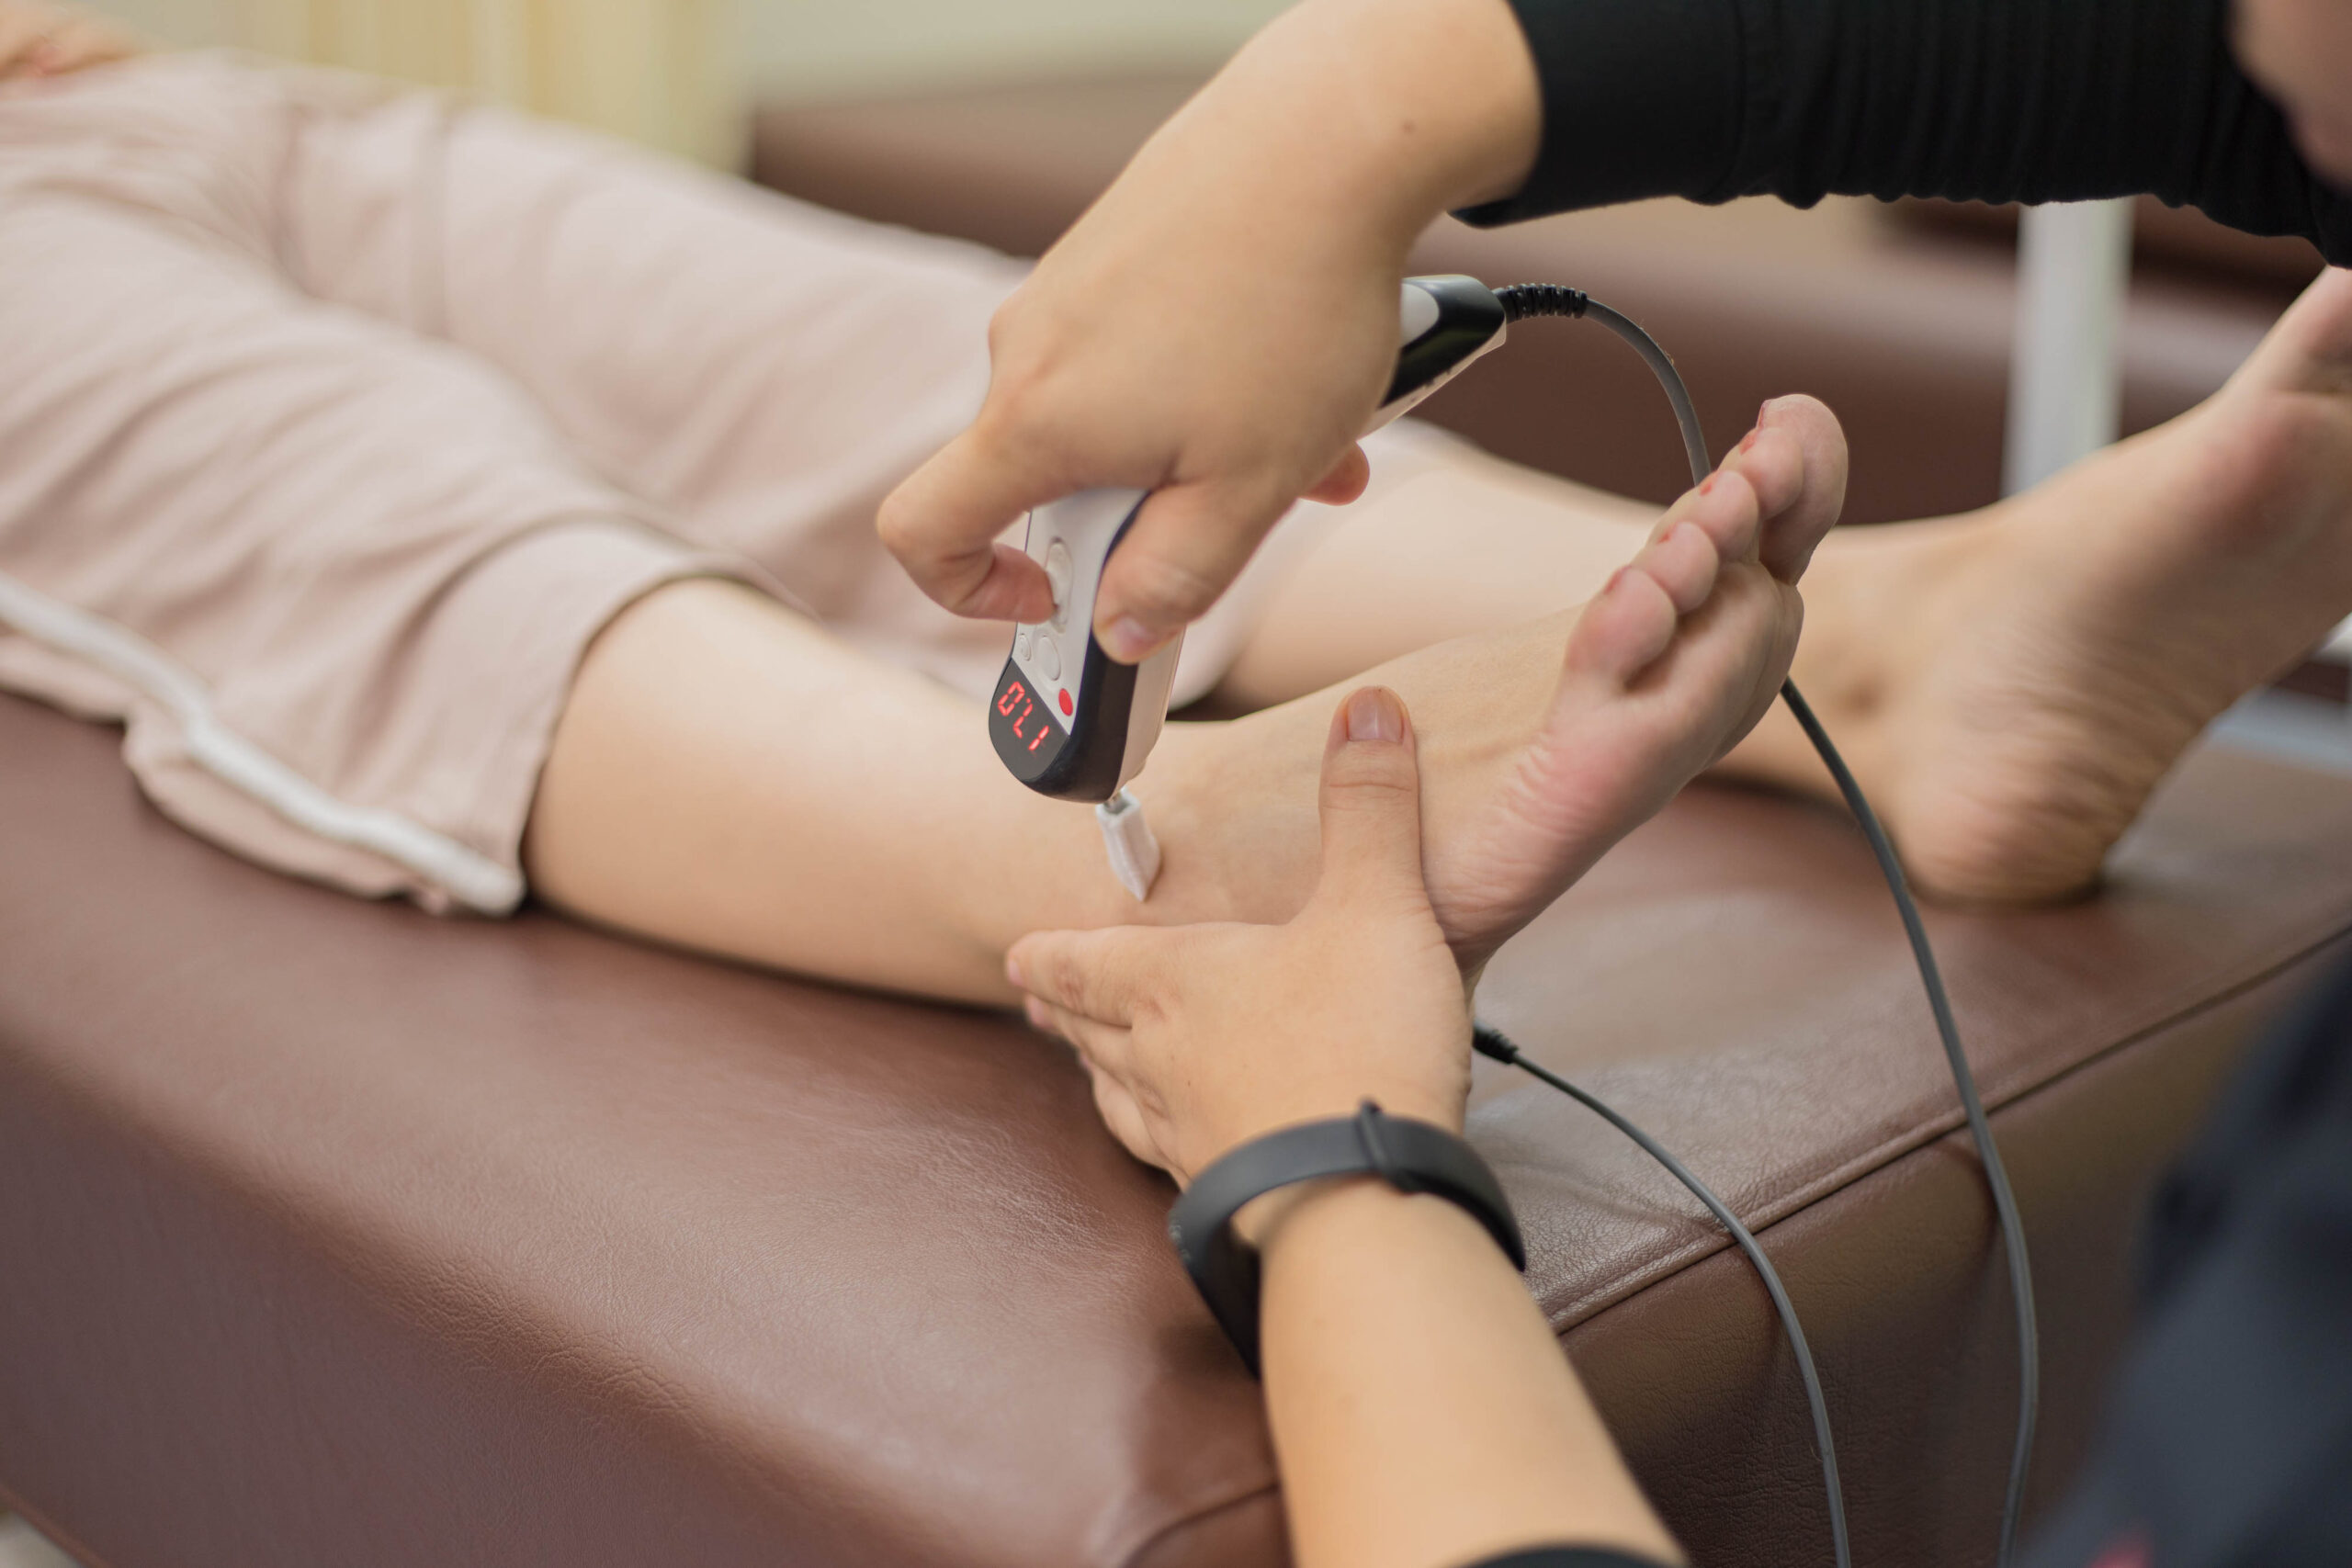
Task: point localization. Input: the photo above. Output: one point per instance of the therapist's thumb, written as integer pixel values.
(1183, 550)
(1372, 805)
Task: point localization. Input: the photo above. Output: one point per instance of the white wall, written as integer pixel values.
(815, 49)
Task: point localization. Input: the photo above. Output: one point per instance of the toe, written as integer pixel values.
(1725, 509)
(1624, 630)
(2310, 349)
(1795, 458)
(1683, 563)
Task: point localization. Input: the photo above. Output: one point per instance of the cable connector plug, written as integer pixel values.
(1126, 837)
(1488, 1041)
(1520, 300)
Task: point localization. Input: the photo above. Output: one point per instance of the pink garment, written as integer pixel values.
(338, 418)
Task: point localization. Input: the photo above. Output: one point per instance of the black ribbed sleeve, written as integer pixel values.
(1988, 100)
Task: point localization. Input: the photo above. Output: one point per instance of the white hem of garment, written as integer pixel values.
(473, 879)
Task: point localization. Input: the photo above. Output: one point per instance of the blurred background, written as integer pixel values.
(678, 73)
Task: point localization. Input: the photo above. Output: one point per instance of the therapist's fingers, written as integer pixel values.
(942, 523)
(1109, 1045)
(1371, 804)
(1185, 548)
(1122, 1114)
(1098, 973)
(1345, 482)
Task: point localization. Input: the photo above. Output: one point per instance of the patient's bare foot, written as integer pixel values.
(1542, 744)
(38, 39)
(2012, 684)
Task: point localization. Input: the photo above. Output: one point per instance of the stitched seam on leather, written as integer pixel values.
(1139, 1555)
(1928, 1133)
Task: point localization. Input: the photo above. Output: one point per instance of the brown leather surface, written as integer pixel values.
(1904, 334)
(335, 1233)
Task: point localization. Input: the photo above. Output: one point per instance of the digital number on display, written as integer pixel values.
(1016, 696)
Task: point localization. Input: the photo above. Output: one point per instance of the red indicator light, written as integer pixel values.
(1065, 705)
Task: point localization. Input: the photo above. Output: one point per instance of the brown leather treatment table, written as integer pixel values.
(335, 1233)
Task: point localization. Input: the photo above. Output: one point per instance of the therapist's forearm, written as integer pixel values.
(1423, 1414)
(1375, 115)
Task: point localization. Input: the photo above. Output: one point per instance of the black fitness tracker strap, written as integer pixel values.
(1411, 1156)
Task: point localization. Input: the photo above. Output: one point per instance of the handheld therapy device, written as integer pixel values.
(1068, 719)
(1070, 723)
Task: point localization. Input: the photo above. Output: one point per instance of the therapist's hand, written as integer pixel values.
(1220, 327)
(1200, 1038)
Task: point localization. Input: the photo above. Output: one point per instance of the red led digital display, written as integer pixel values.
(1022, 726)
(1014, 696)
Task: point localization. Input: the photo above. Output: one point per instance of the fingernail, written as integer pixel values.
(1012, 973)
(1373, 715)
(1614, 579)
(1748, 440)
(1034, 1011)
(1128, 640)
(1706, 484)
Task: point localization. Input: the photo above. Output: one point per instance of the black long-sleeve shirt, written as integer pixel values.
(1986, 100)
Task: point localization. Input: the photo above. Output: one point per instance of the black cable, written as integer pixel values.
(1996, 1175)
(1519, 302)
(1490, 1040)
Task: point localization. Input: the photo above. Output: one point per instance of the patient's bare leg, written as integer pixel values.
(726, 777)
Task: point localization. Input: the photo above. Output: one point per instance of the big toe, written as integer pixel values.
(2308, 349)
(1795, 461)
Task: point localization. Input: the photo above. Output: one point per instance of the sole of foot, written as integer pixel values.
(1543, 744)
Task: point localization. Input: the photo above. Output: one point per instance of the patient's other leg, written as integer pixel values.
(2009, 684)
(2014, 683)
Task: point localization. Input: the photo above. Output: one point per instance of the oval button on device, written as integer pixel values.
(1058, 575)
(1048, 657)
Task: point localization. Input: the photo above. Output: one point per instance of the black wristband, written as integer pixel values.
(1411, 1157)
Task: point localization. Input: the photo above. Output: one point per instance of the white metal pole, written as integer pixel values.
(2066, 385)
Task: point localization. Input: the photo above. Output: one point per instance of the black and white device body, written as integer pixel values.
(1068, 720)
